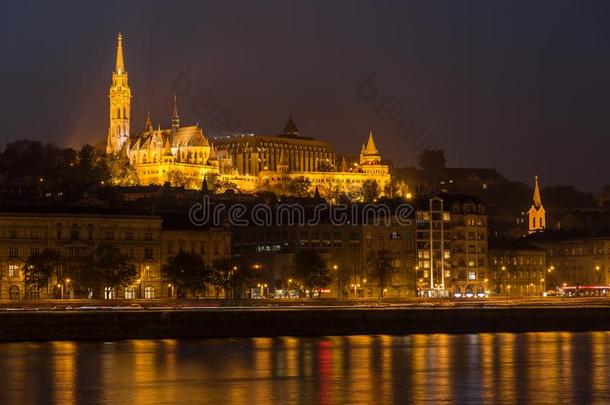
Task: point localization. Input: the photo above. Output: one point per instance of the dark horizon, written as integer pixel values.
(519, 87)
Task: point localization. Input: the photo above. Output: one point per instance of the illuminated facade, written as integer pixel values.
(451, 245)
(183, 155)
(149, 241)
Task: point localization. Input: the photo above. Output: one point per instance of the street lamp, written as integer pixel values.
(67, 285)
(171, 290)
(139, 283)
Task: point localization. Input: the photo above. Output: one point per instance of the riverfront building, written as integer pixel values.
(451, 245)
(73, 232)
(517, 268)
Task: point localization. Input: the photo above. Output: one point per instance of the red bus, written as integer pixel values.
(585, 291)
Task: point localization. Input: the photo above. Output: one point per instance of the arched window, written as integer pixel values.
(34, 293)
(14, 293)
(130, 293)
(149, 292)
(109, 293)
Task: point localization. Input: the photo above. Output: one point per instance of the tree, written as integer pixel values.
(299, 187)
(121, 172)
(370, 191)
(187, 272)
(310, 269)
(39, 268)
(177, 178)
(221, 275)
(381, 269)
(432, 162)
(107, 268)
(241, 278)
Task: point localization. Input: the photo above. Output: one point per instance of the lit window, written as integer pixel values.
(472, 275)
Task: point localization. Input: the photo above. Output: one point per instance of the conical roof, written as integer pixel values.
(290, 128)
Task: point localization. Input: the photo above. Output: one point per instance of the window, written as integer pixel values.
(13, 234)
(14, 293)
(109, 235)
(13, 251)
(90, 232)
(149, 293)
(34, 234)
(34, 292)
(58, 234)
(472, 275)
(147, 272)
(109, 293)
(13, 270)
(34, 250)
(131, 253)
(74, 234)
(129, 235)
(148, 254)
(148, 236)
(130, 293)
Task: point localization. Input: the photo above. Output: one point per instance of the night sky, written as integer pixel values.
(522, 86)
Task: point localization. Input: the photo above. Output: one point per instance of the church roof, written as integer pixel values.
(290, 129)
(370, 148)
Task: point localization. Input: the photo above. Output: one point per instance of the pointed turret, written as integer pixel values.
(120, 63)
(149, 124)
(175, 116)
(290, 128)
(369, 155)
(536, 214)
(371, 149)
(167, 148)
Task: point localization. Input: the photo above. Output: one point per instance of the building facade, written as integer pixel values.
(517, 268)
(348, 249)
(451, 246)
(575, 259)
(147, 240)
(183, 155)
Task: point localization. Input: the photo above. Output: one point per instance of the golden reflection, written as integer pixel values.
(507, 376)
(419, 366)
(548, 367)
(64, 358)
(488, 359)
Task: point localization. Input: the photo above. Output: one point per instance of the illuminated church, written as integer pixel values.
(184, 156)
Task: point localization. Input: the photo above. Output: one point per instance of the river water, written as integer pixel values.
(550, 367)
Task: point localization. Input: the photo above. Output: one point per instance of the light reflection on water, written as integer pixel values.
(550, 367)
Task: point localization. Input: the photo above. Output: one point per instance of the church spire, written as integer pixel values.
(120, 63)
(536, 214)
(120, 103)
(537, 200)
(175, 116)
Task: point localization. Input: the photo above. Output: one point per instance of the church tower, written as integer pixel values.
(537, 220)
(120, 103)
